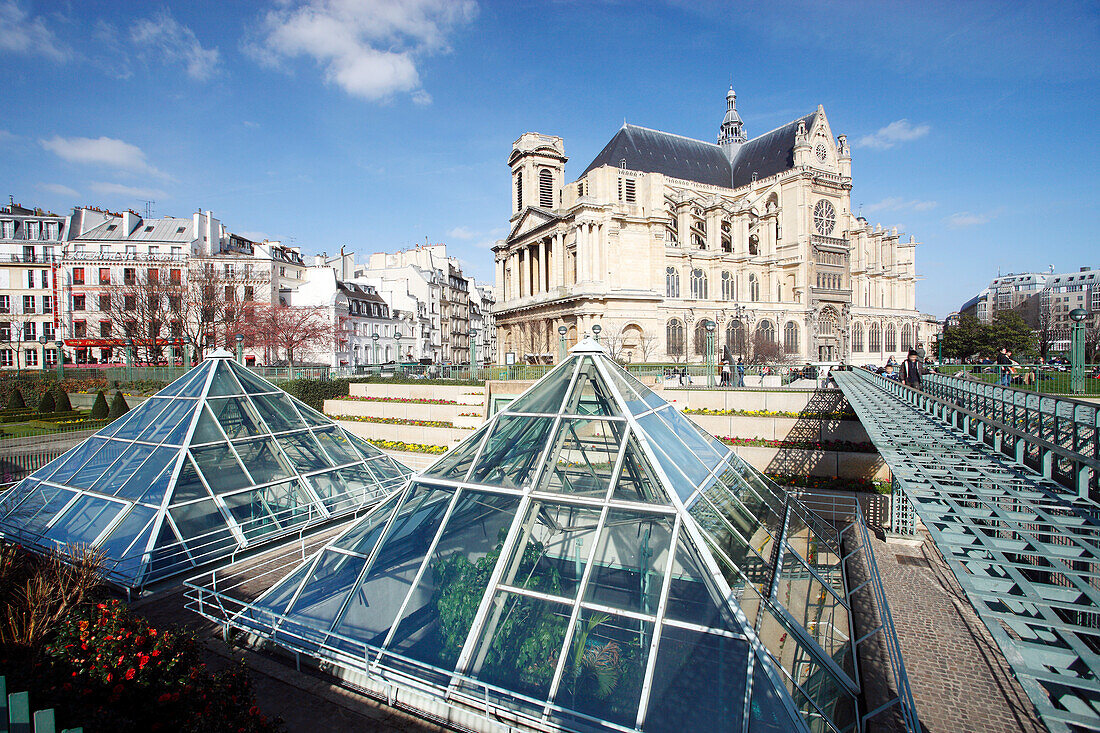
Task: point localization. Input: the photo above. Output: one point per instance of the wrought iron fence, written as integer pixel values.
(1041, 378)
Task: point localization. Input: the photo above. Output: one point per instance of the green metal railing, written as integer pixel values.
(1041, 378)
(16, 716)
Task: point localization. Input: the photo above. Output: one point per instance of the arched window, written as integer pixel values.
(698, 241)
(857, 338)
(875, 339)
(828, 322)
(698, 284)
(672, 282)
(765, 331)
(779, 291)
(519, 191)
(546, 189)
(754, 245)
(700, 337)
(891, 338)
(729, 290)
(790, 338)
(735, 337)
(906, 337)
(674, 337)
(754, 287)
(727, 236)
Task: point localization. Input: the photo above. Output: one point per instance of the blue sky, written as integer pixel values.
(375, 124)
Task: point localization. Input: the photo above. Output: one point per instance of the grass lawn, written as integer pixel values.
(45, 427)
(1048, 383)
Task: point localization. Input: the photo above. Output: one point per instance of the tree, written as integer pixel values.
(118, 406)
(138, 308)
(294, 331)
(16, 401)
(100, 409)
(534, 340)
(62, 400)
(1011, 331)
(964, 340)
(648, 345)
(47, 404)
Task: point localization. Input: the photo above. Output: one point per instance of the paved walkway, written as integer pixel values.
(960, 679)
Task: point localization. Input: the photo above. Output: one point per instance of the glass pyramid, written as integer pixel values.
(218, 461)
(588, 560)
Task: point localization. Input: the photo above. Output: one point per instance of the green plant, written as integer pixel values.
(47, 403)
(596, 667)
(118, 406)
(15, 401)
(61, 401)
(100, 409)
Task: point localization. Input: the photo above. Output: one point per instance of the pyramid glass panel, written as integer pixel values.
(588, 559)
(218, 462)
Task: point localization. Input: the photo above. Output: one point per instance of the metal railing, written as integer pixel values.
(1042, 378)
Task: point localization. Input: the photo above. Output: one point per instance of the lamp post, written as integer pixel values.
(562, 330)
(710, 325)
(187, 351)
(397, 342)
(1077, 350)
(374, 338)
(473, 351)
(596, 328)
(60, 359)
(130, 359)
(42, 340)
(240, 348)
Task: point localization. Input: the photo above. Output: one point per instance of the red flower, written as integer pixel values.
(164, 698)
(143, 659)
(130, 673)
(119, 688)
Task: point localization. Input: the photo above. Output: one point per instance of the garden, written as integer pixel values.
(80, 651)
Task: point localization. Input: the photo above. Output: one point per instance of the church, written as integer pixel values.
(662, 234)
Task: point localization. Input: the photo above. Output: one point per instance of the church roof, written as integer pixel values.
(652, 151)
(767, 154)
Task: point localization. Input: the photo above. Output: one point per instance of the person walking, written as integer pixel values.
(1004, 366)
(910, 370)
(725, 373)
(921, 353)
(740, 372)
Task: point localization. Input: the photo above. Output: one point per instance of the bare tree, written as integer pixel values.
(534, 340)
(614, 342)
(648, 345)
(139, 310)
(293, 331)
(1047, 332)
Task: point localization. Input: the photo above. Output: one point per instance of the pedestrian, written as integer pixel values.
(891, 361)
(740, 372)
(725, 373)
(889, 372)
(1003, 366)
(921, 353)
(910, 370)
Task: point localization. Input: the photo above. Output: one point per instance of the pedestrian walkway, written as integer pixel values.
(1025, 553)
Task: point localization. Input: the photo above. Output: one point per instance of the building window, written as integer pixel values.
(79, 302)
(47, 304)
(105, 329)
(30, 357)
(129, 302)
(700, 337)
(766, 331)
(154, 250)
(105, 302)
(131, 250)
(177, 252)
(519, 190)
(152, 275)
(754, 287)
(5, 357)
(754, 245)
(176, 276)
(729, 290)
(28, 304)
(630, 192)
(5, 331)
(30, 331)
(78, 276)
(105, 276)
(80, 329)
(248, 293)
(735, 337)
(7, 229)
(5, 304)
(129, 276)
(698, 284)
(906, 337)
(546, 189)
(50, 357)
(674, 337)
(672, 282)
(790, 338)
(891, 338)
(875, 339)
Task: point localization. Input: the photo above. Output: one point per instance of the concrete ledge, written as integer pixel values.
(406, 433)
(402, 410)
(781, 428)
(465, 394)
(814, 463)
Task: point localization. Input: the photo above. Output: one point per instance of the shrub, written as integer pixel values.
(61, 401)
(47, 403)
(100, 409)
(15, 401)
(314, 392)
(118, 406)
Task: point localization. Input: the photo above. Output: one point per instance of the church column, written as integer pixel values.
(500, 279)
(594, 250)
(525, 272)
(582, 253)
(544, 283)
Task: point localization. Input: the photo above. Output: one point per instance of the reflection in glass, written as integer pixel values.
(511, 455)
(689, 663)
(556, 541)
(583, 456)
(628, 569)
(521, 643)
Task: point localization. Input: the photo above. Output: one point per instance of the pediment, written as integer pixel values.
(532, 218)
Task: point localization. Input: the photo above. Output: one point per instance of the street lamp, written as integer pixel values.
(187, 351)
(473, 351)
(374, 338)
(42, 340)
(562, 330)
(1077, 350)
(240, 348)
(130, 359)
(60, 359)
(397, 342)
(710, 325)
(596, 328)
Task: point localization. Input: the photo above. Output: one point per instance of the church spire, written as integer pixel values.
(731, 136)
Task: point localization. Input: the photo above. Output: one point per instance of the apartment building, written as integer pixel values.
(30, 243)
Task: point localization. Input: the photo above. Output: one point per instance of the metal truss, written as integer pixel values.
(1025, 551)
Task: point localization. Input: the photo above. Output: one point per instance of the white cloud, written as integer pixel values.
(897, 203)
(462, 233)
(900, 131)
(250, 124)
(101, 151)
(60, 189)
(19, 33)
(6, 136)
(369, 48)
(168, 40)
(117, 189)
(964, 219)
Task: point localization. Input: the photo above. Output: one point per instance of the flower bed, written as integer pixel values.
(833, 483)
(398, 421)
(401, 400)
(841, 415)
(407, 447)
(840, 446)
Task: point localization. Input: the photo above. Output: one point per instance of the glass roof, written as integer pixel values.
(220, 460)
(588, 559)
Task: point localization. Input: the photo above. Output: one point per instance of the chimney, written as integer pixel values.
(130, 222)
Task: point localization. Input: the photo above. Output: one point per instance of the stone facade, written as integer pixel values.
(662, 233)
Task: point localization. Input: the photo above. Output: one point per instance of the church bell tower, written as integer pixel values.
(731, 136)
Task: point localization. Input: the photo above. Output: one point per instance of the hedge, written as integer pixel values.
(15, 401)
(118, 407)
(100, 409)
(61, 401)
(47, 403)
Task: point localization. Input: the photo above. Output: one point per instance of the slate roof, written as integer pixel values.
(163, 230)
(652, 151)
(767, 154)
